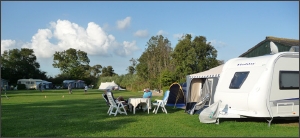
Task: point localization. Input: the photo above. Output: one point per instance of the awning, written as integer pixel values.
(213, 72)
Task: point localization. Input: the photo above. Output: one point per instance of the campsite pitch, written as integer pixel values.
(55, 113)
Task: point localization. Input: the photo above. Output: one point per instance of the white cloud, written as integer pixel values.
(41, 45)
(178, 36)
(126, 48)
(162, 32)
(63, 34)
(7, 44)
(123, 24)
(141, 33)
(106, 27)
(93, 40)
(217, 44)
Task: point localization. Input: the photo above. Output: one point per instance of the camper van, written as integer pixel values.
(30, 83)
(265, 86)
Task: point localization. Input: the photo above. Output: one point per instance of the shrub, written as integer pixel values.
(21, 86)
(165, 88)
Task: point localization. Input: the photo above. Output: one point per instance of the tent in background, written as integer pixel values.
(79, 84)
(176, 96)
(201, 88)
(47, 84)
(109, 85)
(67, 82)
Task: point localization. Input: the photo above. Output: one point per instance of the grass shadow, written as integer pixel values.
(60, 118)
(275, 121)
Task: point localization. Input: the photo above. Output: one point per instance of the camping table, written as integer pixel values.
(135, 101)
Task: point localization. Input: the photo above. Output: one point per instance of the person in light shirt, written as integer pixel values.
(147, 93)
(85, 89)
(70, 88)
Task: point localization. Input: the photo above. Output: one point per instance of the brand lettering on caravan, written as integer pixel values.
(245, 64)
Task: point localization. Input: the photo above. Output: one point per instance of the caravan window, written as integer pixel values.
(238, 79)
(288, 79)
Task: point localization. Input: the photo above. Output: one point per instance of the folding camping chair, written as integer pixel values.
(106, 100)
(118, 105)
(161, 103)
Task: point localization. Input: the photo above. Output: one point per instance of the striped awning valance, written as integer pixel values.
(213, 72)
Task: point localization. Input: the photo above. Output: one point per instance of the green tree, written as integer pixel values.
(192, 56)
(72, 62)
(95, 70)
(131, 69)
(58, 79)
(93, 74)
(142, 67)
(154, 60)
(108, 71)
(20, 64)
(167, 77)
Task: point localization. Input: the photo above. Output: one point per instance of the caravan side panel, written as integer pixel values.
(284, 94)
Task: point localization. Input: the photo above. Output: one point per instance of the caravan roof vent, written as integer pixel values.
(273, 47)
(294, 49)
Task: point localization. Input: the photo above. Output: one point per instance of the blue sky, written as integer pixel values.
(114, 32)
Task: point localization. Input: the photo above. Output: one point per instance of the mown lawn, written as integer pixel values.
(29, 114)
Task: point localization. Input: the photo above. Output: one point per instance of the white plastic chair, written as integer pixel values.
(118, 105)
(161, 103)
(106, 100)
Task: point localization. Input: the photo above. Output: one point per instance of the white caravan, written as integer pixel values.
(30, 83)
(265, 86)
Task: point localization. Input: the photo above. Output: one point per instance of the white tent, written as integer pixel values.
(201, 84)
(108, 85)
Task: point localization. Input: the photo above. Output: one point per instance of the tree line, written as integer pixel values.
(158, 66)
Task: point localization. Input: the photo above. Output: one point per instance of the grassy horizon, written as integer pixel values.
(28, 113)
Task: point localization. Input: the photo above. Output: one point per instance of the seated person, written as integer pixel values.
(147, 93)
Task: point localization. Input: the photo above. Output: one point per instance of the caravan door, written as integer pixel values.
(284, 94)
(213, 85)
(193, 93)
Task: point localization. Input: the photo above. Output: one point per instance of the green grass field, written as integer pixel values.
(29, 114)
